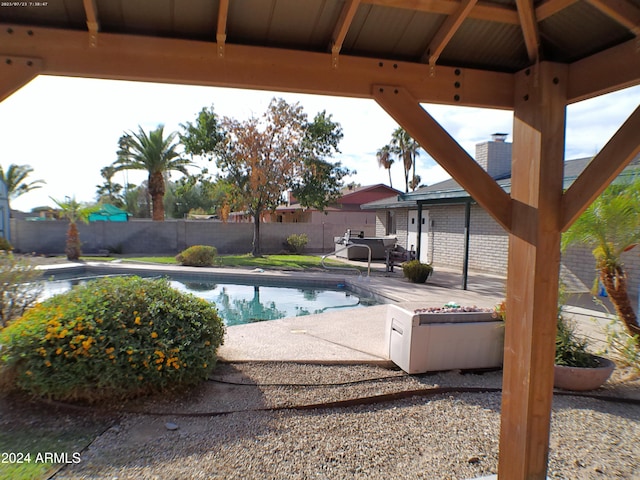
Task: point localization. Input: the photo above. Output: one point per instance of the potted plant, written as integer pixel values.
(575, 368)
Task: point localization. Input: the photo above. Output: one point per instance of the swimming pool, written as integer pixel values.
(240, 303)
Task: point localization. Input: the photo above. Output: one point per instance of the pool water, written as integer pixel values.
(240, 304)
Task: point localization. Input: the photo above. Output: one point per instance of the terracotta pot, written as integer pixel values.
(583, 379)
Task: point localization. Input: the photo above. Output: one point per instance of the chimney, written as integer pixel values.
(495, 155)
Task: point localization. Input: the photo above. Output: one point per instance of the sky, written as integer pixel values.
(67, 129)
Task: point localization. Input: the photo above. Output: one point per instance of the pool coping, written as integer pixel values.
(285, 278)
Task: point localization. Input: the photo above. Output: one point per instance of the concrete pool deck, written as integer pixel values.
(342, 336)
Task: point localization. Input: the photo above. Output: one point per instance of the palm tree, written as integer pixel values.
(73, 211)
(611, 226)
(155, 154)
(407, 150)
(15, 179)
(385, 160)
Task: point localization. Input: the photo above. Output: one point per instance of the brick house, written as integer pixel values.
(449, 229)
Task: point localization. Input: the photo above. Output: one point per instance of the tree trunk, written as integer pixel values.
(257, 251)
(614, 280)
(390, 182)
(156, 190)
(72, 249)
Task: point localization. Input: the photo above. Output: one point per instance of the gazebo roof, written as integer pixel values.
(278, 35)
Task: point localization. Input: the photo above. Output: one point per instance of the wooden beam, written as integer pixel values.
(604, 72)
(621, 11)
(533, 270)
(446, 31)
(16, 72)
(341, 28)
(490, 12)
(529, 27)
(221, 32)
(602, 170)
(407, 111)
(550, 7)
(93, 24)
(130, 57)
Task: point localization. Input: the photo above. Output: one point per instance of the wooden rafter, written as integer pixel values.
(180, 61)
(621, 11)
(406, 110)
(93, 23)
(490, 12)
(221, 32)
(602, 169)
(341, 28)
(604, 72)
(16, 72)
(446, 31)
(549, 8)
(529, 26)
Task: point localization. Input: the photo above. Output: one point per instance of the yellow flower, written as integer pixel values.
(159, 367)
(137, 321)
(63, 333)
(109, 350)
(58, 351)
(204, 365)
(129, 352)
(154, 335)
(28, 372)
(47, 363)
(131, 330)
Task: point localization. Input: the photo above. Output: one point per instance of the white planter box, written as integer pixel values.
(426, 342)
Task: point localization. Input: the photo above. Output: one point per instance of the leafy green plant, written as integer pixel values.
(297, 242)
(197, 256)
(570, 351)
(19, 287)
(5, 245)
(416, 271)
(115, 337)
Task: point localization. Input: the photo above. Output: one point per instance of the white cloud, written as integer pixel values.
(67, 128)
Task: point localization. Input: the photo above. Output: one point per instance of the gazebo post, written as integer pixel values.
(534, 264)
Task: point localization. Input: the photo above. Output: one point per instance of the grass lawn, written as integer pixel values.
(281, 262)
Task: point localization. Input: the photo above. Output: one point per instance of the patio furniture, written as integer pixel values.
(397, 255)
(427, 342)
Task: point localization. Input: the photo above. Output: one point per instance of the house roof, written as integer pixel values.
(352, 198)
(450, 191)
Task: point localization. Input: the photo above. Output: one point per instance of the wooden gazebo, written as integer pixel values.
(531, 56)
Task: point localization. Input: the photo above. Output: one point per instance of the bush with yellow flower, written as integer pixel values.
(116, 337)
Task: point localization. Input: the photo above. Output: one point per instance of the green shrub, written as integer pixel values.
(570, 351)
(297, 242)
(112, 338)
(19, 287)
(416, 271)
(5, 245)
(198, 256)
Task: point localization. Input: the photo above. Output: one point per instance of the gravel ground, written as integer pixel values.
(443, 436)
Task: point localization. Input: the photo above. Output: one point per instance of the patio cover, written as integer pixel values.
(531, 56)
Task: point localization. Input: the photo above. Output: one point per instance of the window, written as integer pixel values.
(391, 223)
